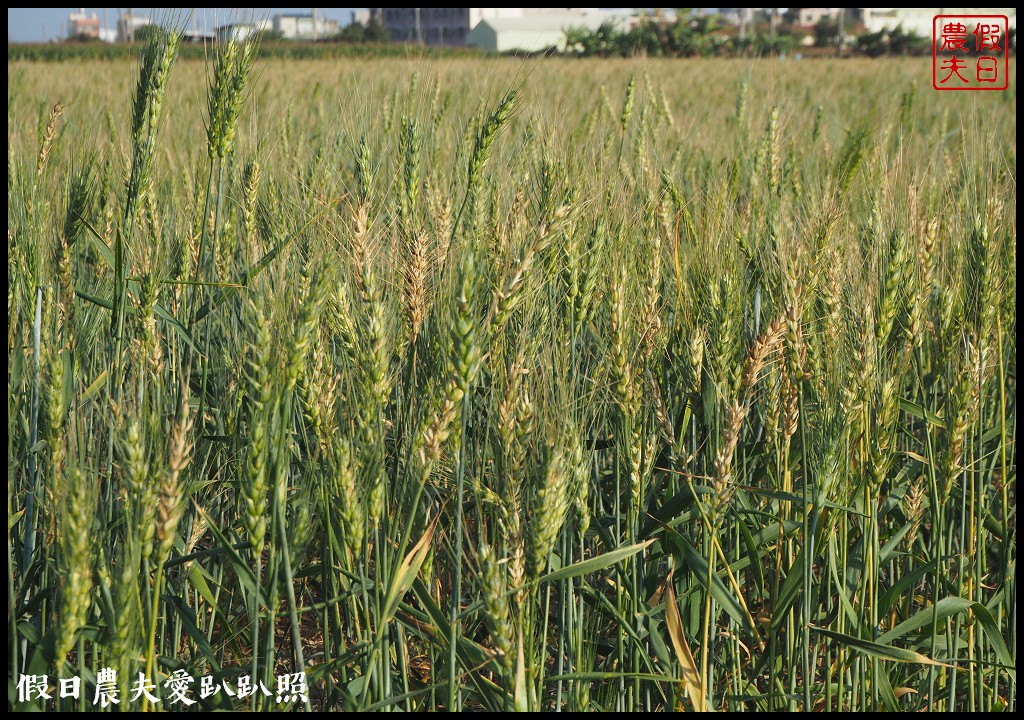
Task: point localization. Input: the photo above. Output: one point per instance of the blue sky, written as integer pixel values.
(39, 24)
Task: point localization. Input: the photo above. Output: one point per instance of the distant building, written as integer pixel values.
(81, 25)
(745, 19)
(304, 27)
(630, 18)
(435, 26)
(535, 33)
(919, 20)
(449, 26)
(239, 32)
(809, 17)
(740, 16)
(197, 36)
(361, 16)
(127, 25)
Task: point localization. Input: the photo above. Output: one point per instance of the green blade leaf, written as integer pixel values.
(940, 611)
(995, 638)
(878, 650)
(596, 563)
(723, 596)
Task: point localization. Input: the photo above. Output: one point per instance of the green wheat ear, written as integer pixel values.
(701, 395)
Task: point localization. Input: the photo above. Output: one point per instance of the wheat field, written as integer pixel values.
(498, 384)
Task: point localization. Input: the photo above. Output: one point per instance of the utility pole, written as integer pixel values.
(773, 18)
(419, 32)
(842, 37)
(313, 10)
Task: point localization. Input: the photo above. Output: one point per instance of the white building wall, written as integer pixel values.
(534, 32)
(530, 40)
(127, 25)
(300, 27)
(450, 26)
(242, 31)
(920, 19)
(811, 16)
(478, 14)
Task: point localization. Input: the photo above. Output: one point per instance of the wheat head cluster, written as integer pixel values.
(492, 384)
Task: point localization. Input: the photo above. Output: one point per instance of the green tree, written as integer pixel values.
(376, 32)
(826, 33)
(142, 33)
(267, 37)
(357, 32)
